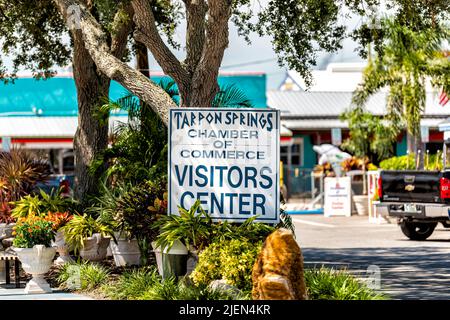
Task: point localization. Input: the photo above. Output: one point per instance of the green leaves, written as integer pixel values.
(42, 204)
(82, 227)
(238, 256)
(330, 284)
(231, 97)
(195, 228)
(405, 58)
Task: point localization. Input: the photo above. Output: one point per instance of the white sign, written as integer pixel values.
(338, 197)
(336, 136)
(228, 159)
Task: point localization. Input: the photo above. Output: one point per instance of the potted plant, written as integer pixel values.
(89, 236)
(32, 243)
(59, 220)
(138, 208)
(188, 232)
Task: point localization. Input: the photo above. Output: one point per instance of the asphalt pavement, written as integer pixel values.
(407, 269)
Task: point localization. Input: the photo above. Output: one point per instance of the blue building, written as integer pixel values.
(42, 114)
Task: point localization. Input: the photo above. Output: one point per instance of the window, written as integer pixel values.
(284, 154)
(293, 154)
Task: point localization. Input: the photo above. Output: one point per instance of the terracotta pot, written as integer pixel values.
(62, 248)
(95, 248)
(37, 262)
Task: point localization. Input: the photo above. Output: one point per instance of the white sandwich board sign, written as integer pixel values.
(338, 201)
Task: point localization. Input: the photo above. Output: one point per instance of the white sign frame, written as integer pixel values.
(342, 196)
(265, 141)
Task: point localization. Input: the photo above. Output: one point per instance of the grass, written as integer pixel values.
(82, 276)
(330, 284)
(146, 284)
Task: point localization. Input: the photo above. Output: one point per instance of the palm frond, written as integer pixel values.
(231, 97)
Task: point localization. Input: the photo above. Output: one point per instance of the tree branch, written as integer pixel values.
(219, 12)
(147, 33)
(121, 32)
(195, 32)
(133, 80)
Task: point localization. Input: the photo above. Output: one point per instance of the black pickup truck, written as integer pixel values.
(419, 199)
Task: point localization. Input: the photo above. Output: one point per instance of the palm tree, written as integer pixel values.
(407, 59)
(229, 96)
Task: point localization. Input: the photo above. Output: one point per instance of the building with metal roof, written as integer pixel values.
(43, 114)
(312, 117)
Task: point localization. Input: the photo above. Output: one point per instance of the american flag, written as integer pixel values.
(443, 98)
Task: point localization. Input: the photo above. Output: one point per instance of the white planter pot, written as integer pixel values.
(162, 261)
(361, 204)
(37, 262)
(95, 248)
(125, 252)
(6, 230)
(62, 248)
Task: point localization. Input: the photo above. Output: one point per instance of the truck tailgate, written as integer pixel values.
(410, 186)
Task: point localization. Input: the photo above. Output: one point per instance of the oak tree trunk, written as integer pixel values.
(91, 136)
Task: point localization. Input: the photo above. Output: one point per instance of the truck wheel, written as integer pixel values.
(416, 230)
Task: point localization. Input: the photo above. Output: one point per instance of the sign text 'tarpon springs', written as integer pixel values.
(227, 158)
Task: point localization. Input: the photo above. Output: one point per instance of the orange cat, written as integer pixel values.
(278, 271)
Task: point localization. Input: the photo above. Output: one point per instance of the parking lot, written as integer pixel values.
(408, 269)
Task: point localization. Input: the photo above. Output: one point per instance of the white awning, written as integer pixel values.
(45, 127)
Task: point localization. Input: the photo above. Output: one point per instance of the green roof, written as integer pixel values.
(57, 96)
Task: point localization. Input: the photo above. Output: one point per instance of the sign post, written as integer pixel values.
(228, 159)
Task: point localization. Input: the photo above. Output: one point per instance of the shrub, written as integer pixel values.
(408, 162)
(33, 230)
(20, 173)
(135, 216)
(329, 284)
(230, 260)
(81, 227)
(195, 228)
(82, 276)
(42, 204)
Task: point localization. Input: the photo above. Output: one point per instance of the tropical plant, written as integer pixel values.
(83, 226)
(370, 135)
(230, 96)
(58, 219)
(409, 162)
(403, 62)
(42, 203)
(138, 149)
(196, 230)
(238, 256)
(5, 213)
(33, 230)
(192, 227)
(135, 213)
(330, 284)
(20, 173)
